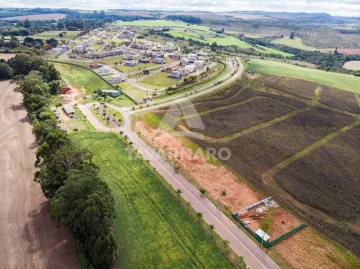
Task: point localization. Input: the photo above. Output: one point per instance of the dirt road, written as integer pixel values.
(29, 238)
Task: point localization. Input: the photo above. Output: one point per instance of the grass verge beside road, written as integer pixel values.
(153, 228)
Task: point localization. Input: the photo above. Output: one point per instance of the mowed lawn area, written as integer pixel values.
(160, 79)
(132, 91)
(152, 229)
(81, 78)
(129, 69)
(295, 43)
(341, 81)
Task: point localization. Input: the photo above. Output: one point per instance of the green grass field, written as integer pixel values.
(341, 81)
(111, 60)
(152, 229)
(160, 79)
(55, 34)
(267, 50)
(295, 43)
(73, 61)
(81, 78)
(129, 69)
(133, 92)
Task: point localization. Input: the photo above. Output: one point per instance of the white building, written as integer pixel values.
(116, 79)
(190, 68)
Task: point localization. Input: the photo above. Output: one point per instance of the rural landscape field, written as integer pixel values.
(152, 136)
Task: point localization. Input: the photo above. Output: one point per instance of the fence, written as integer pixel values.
(112, 86)
(260, 240)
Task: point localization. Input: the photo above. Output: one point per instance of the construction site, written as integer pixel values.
(262, 220)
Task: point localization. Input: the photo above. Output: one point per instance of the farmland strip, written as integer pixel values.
(255, 127)
(268, 176)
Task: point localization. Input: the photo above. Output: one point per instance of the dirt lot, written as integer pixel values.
(29, 238)
(7, 56)
(352, 65)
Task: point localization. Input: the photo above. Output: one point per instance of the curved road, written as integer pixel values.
(254, 257)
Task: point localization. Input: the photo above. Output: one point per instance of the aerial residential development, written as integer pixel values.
(147, 135)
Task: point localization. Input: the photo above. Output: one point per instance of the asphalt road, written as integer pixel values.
(238, 240)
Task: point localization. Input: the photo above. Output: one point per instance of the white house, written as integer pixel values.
(199, 63)
(116, 79)
(130, 63)
(175, 74)
(190, 68)
(158, 60)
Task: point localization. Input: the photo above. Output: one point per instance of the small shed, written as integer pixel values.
(264, 236)
(111, 93)
(69, 110)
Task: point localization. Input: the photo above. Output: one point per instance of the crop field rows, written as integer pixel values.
(312, 130)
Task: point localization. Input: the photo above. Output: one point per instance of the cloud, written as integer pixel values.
(334, 7)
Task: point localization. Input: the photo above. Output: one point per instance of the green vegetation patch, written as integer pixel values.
(341, 81)
(295, 43)
(81, 78)
(132, 91)
(152, 229)
(160, 79)
(130, 69)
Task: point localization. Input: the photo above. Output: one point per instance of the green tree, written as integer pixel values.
(54, 168)
(202, 191)
(21, 63)
(60, 25)
(199, 215)
(6, 71)
(27, 23)
(54, 87)
(86, 208)
(292, 35)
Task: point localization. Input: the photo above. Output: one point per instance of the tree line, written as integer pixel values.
(80, 201)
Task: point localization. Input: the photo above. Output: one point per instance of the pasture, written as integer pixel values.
(295, 43)
(337, 80)
(320, 125)
(152, 228)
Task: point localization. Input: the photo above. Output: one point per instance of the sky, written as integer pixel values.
(333, 7)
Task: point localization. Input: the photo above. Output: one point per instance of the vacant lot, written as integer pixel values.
(132, 91)
(55, 34)
(81, 78)
(339, 99)
(37, 17)
(159, 80)
(341, 81)
(29, 237)
(130, 69)
(303, 119)
(152, 229)
(352, 65)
